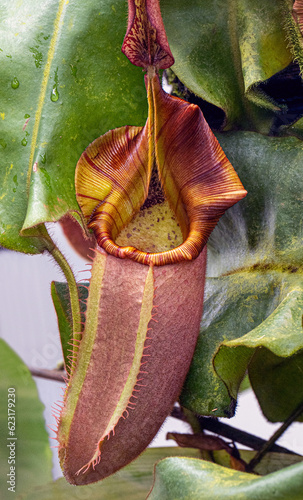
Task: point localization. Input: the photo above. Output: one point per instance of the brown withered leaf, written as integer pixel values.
(81, 243)
(200, 441)
(209, 443)
(237, 464)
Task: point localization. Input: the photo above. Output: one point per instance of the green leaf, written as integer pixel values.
(61, 301)
(191, 479)
(131, 483)
(31, 451)
(266, 227)
(296, 129)
(253, 315)
(254, 321)
(272, 349)
(223, 49)
(64, 82)
(245, 384)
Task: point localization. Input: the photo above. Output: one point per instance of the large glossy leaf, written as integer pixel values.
(272, 215)
(223, 49)
(265, 229)
(266, 308)
(131, 483)
(190, 479)
(258, 303)
(273, 349)
(64, 82)
(26, 442)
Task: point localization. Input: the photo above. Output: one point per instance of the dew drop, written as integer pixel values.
(54, 94)
(27, 115)
(24, 142)
(43, 158)
(15, 83)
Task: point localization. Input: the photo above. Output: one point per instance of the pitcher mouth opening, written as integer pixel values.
(174, 256)
(153, 236)
(183, 252)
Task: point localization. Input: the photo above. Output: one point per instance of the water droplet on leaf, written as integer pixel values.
(43, 158)
(24, 142)
(15, 83)
(27, 115)
(54, 94)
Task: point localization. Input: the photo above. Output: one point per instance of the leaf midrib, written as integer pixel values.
(51, 51)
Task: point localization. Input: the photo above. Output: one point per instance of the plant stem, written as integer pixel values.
(193, 421)
(270, 443)
(245, 438)
(70, 278)
(73, 290)
(213, 425)
(56, 375)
